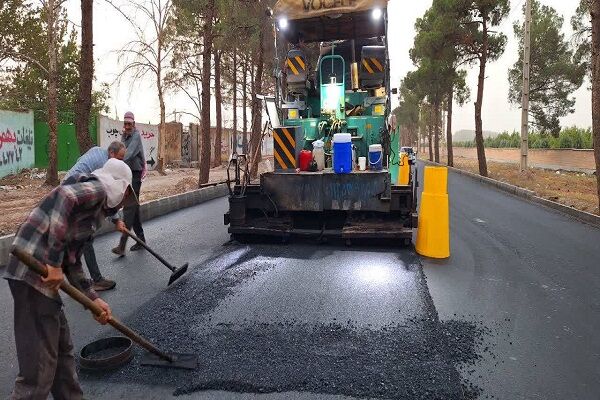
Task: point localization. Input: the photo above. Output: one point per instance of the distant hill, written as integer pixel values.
(466, 134)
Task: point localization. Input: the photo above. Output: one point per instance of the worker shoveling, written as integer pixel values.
(156, 356)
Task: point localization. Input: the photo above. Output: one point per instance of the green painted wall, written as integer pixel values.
(68, 148)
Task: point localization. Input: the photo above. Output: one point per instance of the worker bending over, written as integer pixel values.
(55, 233)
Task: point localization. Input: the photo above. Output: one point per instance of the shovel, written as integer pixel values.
(176, 272)
(157, 358)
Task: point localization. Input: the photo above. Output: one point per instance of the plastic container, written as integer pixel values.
(319, 154)
(376, 157)
(342, 153)
(362, 163)
(304, 160)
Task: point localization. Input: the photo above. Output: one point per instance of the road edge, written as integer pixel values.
(149, 210)
(529, 195)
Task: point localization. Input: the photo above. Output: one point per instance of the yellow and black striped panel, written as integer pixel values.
(296, 65)
(284, 148)
(372, 65)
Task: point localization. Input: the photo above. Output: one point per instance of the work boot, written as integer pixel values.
(120, 249)
(138, 246)
(104, 284)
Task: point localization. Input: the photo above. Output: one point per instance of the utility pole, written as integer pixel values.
(525, 99)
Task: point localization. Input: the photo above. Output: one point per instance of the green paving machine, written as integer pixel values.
(338, 172)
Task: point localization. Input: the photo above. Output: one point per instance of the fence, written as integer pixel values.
(67, 144)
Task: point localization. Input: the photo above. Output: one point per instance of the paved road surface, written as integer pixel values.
(511, 314)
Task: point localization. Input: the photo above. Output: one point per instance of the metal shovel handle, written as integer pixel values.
(85, 301)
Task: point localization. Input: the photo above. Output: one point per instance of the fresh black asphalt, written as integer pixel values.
(512, 314)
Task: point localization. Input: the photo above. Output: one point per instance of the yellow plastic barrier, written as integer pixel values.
(433, 235)
(404, 175)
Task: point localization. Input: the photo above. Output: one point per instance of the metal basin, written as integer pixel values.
(107, 353)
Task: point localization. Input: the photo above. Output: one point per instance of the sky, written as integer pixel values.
(111, 32)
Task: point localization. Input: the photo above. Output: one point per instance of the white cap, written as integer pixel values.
(116, 177)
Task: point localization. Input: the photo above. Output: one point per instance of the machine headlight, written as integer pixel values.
(283, 23)
(377, 14)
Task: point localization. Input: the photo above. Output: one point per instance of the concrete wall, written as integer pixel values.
(17, 148)
(567, 159)
(173, 132)
(110, 130)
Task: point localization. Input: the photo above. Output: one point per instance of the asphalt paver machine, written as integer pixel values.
(336, 145)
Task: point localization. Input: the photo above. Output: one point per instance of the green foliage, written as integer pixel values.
(470, 36)
(569, 138)
(555, 72)
(25, 84)
(582, 28)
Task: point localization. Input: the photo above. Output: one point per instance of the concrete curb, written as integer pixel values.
(529, 195)
(149, 210)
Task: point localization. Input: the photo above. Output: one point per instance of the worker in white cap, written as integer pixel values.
(55, 233)
(134, 157)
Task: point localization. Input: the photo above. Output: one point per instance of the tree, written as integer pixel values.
(149, 56)
(459, 93)
(582, 27)
(24, 50)
(83, 107)
(52, 9)
(595, 16)
(408, 113)
(436, 54)
(555, 74)
(476, 42)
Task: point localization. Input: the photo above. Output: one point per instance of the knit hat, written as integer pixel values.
(129, 117)
(116, 177)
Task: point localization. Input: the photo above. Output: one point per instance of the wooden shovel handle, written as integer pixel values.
(82, 299)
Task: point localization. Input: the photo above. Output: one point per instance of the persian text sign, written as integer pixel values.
(16, 142)
(110, 130)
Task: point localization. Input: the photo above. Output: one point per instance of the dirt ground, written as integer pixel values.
(20, 193)
(572, 189)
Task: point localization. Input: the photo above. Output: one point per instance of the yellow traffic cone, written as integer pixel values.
(404, 175)
(433, 235)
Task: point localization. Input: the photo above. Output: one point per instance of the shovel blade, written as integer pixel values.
(180, 360)
(178, 273)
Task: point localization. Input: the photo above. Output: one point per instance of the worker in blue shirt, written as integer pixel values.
(92, 160)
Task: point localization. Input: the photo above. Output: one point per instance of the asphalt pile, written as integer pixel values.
(417, 358)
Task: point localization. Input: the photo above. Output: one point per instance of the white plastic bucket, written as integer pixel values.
(362, 163)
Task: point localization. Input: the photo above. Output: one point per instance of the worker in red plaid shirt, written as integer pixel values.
(54, 233)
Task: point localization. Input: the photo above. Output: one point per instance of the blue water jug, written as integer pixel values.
(376, 157)
(342, 153)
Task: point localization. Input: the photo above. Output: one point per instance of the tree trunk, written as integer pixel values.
(235, 116)
(436, 124)
(206, 70)
(429, 137)
(245, 106)
(595, 13)
(86, 76)
(483, 171)
(256, 106)
(160, 165)
(52, 17)
(252, 97)
(449, 129)
(219, 114)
